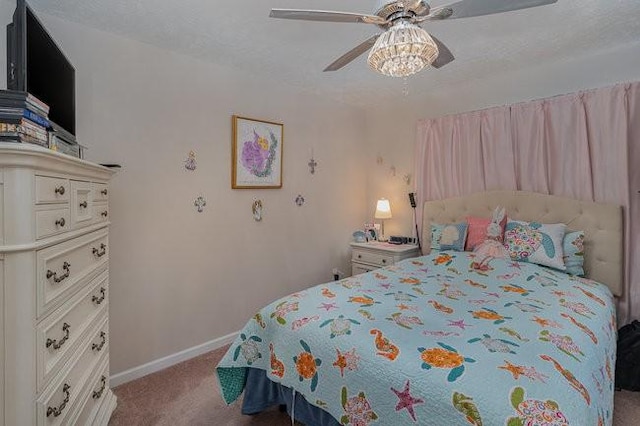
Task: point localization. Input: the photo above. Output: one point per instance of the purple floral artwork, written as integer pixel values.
(258, 154)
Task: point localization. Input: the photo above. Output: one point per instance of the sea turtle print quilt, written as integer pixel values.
(433, 341)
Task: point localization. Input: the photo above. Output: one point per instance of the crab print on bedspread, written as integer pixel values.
(517, 344)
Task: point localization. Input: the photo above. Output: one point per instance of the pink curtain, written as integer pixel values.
(584, 145)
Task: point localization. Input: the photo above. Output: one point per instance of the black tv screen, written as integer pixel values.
(38, 66)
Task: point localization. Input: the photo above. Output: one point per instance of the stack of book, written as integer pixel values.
(62, 141)
(23, 118)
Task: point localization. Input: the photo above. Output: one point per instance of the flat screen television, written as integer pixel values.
(36, 64)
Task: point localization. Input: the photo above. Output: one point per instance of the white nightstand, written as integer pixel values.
(366, 257)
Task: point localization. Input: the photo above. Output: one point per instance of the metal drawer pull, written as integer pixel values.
(105, 213)
(104, 192)
(101, 252)
(56, 411)
(98, 300)
(59, 190)
(57, 345)
(98, 347)
(98, 394)
(84, 204)
(57, 279)
(61, 222)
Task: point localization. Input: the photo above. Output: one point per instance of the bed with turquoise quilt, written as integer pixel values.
(434, 340)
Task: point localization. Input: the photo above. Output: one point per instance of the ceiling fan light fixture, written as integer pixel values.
(403, 50)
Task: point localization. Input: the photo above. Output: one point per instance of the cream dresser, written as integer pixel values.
(54, 282)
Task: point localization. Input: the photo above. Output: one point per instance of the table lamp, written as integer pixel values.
(383, 211)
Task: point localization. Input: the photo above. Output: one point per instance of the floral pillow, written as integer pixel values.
(573, 247)
(477, 232)
(436, 232)
(453, 236)
(536, 243)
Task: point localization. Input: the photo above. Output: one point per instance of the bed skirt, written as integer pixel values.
(261, 393)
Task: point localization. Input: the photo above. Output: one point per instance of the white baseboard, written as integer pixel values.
(168, 361)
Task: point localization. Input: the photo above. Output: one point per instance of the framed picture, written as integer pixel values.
(256, 154)
(371, 231)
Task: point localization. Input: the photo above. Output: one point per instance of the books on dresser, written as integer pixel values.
(22, 99)
(24, 119)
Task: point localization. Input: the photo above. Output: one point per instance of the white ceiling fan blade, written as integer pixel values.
(470, 8)
(444, 54)
(352, 54)
(326, 16)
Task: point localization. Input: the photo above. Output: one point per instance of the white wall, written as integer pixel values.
(179, 278)
(391, 132)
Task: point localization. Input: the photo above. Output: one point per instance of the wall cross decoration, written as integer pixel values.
(200, 202)
(312, 165)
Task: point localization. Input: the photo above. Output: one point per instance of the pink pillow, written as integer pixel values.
(477, 231)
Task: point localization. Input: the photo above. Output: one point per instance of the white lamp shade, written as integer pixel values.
(383, 209)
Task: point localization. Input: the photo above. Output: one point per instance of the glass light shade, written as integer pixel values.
(403, 50)
(383, 209)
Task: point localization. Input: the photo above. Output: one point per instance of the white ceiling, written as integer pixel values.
(240, 34)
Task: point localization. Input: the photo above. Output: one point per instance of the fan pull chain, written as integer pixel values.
(405, 86)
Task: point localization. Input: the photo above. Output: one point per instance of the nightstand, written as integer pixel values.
(366, 257)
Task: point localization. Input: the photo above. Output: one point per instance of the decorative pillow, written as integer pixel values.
(436, 233)
(573, 247)
(452, 241)
(536, 243)
(477, 232)
(453, 236)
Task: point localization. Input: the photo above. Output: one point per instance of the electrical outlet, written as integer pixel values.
(336, 274)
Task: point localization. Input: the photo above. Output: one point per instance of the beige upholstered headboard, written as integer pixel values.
(601, 223)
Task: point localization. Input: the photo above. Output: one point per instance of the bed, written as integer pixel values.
(432, 341)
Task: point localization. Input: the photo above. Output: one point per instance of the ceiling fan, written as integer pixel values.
(404, 48)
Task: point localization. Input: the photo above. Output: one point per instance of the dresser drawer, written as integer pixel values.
(97, 390)
(52, 190)
(357, 268)
(64, 266)
(100, 212)
(52, 222)
(378, 259)
(81, 203)
(100, 192)
(61, 331)
(59, 401)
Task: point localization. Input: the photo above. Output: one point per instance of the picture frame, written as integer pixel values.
(371, 231)
(257, 148)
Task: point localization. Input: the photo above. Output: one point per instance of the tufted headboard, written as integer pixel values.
(601, 223)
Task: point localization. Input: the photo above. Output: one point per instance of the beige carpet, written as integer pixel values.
(187, 394)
